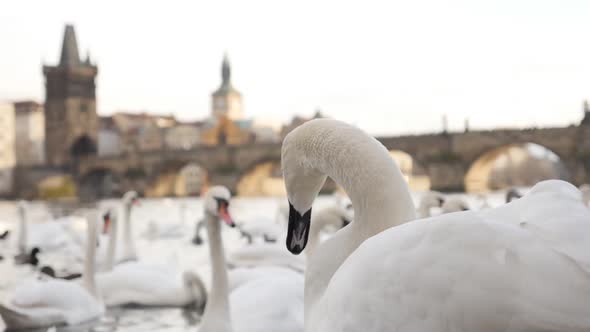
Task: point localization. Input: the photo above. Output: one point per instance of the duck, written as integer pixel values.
(523, 266)
(39, 303)
(271, 302)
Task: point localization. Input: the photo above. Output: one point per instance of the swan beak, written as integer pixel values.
(135, 202)
(106, 225)
(298, 230)
(441, 201)
(224, 214)
(345, 222)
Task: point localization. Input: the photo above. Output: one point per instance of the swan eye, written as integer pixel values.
(298, 231)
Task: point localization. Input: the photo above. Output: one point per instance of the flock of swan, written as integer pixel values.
(373, 261)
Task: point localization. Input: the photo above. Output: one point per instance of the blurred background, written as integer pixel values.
(98, 98)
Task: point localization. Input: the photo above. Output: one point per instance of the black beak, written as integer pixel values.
(441, 201)
(298, 231)
(345, 222)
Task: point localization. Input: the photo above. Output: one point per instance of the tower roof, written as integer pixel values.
(69, 50)
(226, 86)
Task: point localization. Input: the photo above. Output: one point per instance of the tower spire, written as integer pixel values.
(225, 71)
(69, 51)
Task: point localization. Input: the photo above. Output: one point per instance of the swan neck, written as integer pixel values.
(128, 232)
(112, 249)
(373, 181)
(89, 262)
(22, 234)
(217, 308)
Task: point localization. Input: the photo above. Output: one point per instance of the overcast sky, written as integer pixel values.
(388, 66)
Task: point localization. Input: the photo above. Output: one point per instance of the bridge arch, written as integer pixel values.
(262, 178)
(178, 178)
(56, 186)
(415, 174)
(83, 146)
(99, 183)
(514, 164)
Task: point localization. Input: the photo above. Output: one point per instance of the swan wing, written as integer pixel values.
(270, 303)
(55, 301)
(142, 284)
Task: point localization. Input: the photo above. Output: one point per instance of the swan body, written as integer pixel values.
(524, 266)
(150, 285)
(144, 284)
(45, 303)
(454, 204)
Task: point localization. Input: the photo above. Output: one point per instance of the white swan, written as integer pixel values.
(45, 303)
(272, 302)
(147, 284)
(168, 229)
(46, 236)
(128, 252)
(150, 285)
(585, 189)
(429, 200)
(524, 266)
(454, 204)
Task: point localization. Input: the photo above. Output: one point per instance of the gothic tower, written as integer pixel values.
(71, 122)
(226, 101)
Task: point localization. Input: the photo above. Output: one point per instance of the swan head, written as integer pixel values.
(131, 198)
(302, 181)
(217, 204)
(107, 219)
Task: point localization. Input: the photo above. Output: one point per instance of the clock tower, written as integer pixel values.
(71, 123)
(226, 100)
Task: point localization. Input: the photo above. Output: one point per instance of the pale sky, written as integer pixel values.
(390, 67)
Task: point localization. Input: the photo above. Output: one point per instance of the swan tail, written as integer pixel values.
(203, 291)
(16, 320)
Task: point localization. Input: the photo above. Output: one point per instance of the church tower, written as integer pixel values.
(71, 122)
(226, 101)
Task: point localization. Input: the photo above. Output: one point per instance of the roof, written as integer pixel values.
(226, 86)
(70, 57)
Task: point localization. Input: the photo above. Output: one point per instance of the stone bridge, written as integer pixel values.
(452, 161)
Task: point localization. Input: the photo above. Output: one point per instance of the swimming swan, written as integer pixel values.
(44, 303)
(524, 266)
(272, 302)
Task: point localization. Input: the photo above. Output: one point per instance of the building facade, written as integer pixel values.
(7, 147)
(30, 131)
(71, 122)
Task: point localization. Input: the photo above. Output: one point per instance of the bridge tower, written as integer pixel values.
(71, 122)
(226, 100)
